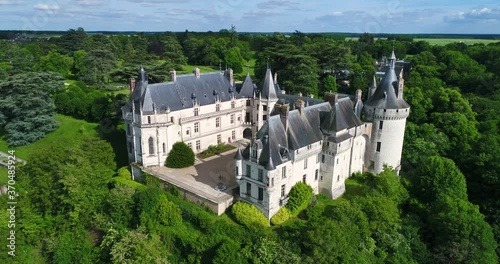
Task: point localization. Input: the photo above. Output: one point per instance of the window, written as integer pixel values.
(283, 190)
(337, 160)
(151, 146)
(261, 176)
(128, 129)
(261, 194)
(264, 117)
(196, 127)
(196, 112)
(232, 119)
(258, 107)
(171, 119)
(219, 139)
(190, 145)
(164, 148)
(378, 146)
(316, 173)
(283, 172)
(233, 104)
(187, 131)
(217, 122)
(233, 135)
(249, 171)
(198, 145)
(264, 107)
(236, 171)
(317, 158)
(304, 178)
(149, 120)
(254, 151)
(322, 158)
(272, 182)
(247, 117)
(338, 178)
(381, 125)
(305, 163)
(249, 189)
(248, 103)
(217, 107)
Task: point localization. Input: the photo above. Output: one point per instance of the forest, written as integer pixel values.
(77, 203)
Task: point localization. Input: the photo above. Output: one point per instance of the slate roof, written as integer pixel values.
(384, 96)
(182, 93)
(291, 99)
(247, 89)
(268, 90)
(303, 130)
(340, 117)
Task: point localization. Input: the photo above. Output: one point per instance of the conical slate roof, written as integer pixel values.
(268, 89)
(247, 89)
(385, 94)
(238, 155)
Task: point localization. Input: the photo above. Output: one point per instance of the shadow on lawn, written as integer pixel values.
(115, 136)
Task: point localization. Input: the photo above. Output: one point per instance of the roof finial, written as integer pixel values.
(268, 62)
(248, 69)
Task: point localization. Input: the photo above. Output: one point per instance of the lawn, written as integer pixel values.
(190, 68)
(3, 175)
(215, 150)
(71, 131)
(445, 41)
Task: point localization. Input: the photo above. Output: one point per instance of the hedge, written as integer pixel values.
(248, 215)
(300, 197)
(281, 216)
(181, 156)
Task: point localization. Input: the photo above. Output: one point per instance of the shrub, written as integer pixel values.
(180, 156)
(124, 172)
(300, 197)
(248, 215)
(281, 216)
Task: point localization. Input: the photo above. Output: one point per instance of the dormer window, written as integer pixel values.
(254, 151)
(233, 104)
(217, 107)
(196, 111)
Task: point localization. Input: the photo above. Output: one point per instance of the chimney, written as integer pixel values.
(359, 94)
(401, 85)
(283, 91)
(284, 109)
(196, 72)
(131, 82)
(275, 78)
(331, 97)
(300, 93)
(300, 104)
(230, 76)
(173, 75)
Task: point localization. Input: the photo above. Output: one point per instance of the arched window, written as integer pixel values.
(151, 146)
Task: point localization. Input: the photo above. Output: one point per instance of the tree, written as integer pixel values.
(55, 62)
(73, 40)
(136, 246)
(173, 51)
(300, 197)
(98, 65)
(180, 156)
(437, 176)
(330, 84)
(28, 107)
(234, 60)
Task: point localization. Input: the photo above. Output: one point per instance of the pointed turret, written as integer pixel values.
(372, 87)
(270, 165)
(268, 88)
(247, 89)
(238, 155)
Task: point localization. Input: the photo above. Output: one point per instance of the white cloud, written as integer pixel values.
(475, 15)
(11, 2)
(46, 7)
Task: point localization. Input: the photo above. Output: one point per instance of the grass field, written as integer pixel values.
(71, 131)
(3, 175)
(445, 41)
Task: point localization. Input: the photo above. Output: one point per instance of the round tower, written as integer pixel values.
(238, 164)
(388, 112)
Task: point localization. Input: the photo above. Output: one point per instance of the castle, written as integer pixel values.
(292, 138)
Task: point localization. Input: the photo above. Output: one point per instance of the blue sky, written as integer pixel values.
(389, 16)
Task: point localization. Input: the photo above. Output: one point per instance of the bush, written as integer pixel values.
(124, 172)
(215, 150)
(248, 215)
(300, 197)
(281, 216)
(181, 156)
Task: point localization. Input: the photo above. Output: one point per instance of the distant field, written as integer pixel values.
(71, 131)
(445, 41)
